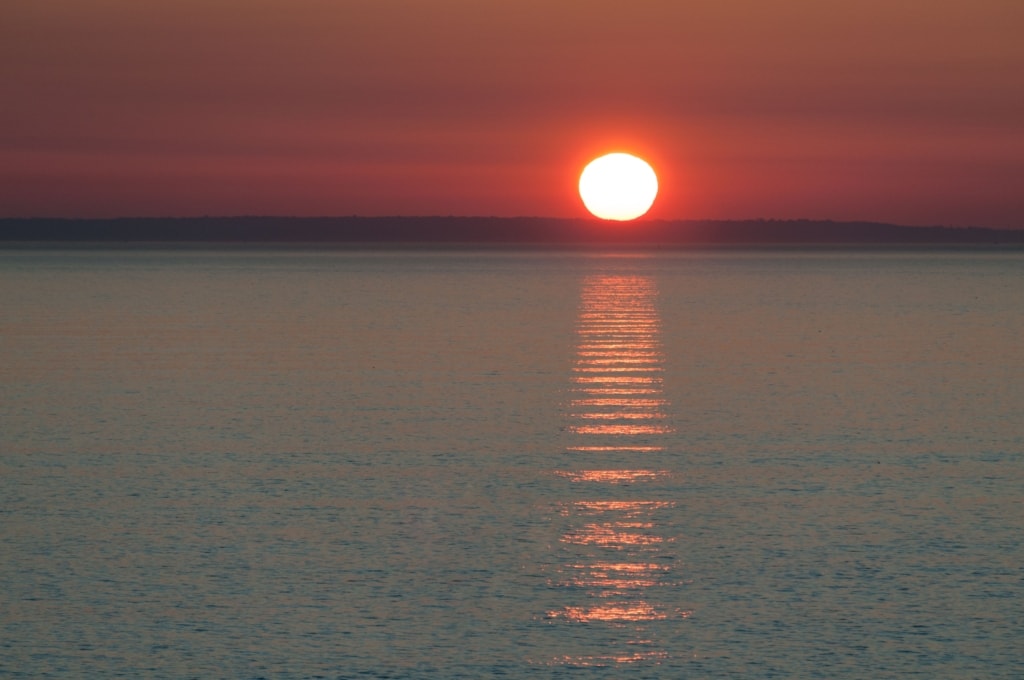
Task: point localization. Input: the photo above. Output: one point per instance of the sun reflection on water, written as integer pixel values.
(611, 476)
(633, 611)
(620, 428)
(623, 391)
(621, 403)
(616, 561)
(620, 416)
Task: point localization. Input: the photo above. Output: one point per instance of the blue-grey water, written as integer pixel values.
(405, 464)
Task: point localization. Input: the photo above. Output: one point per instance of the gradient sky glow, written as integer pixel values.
(895, 110)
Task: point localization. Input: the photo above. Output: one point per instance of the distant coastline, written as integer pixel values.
(452, 231)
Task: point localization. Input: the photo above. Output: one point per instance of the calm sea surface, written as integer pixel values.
(284, 464)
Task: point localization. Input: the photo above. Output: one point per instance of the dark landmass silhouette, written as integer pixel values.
(486, 231)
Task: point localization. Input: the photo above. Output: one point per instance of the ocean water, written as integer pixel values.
(461, 464)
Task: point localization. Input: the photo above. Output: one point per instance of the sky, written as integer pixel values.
(905, 111)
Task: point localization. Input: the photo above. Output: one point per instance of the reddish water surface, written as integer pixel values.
(532, 464)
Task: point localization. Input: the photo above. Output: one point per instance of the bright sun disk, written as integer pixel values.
(618, 186)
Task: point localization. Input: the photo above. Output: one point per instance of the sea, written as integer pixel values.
(460, 463)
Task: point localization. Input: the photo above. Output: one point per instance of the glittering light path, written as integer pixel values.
(615, 550)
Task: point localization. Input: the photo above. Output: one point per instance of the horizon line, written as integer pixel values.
(587, 219)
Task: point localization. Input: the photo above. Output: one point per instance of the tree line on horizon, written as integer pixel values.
(485, 230)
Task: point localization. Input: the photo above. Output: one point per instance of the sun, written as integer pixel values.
(618, 186)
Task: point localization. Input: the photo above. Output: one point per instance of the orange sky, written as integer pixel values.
(895, 110)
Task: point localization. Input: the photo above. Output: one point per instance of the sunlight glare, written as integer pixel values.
(618, 186)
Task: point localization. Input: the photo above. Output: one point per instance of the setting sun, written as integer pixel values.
(618, 186)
